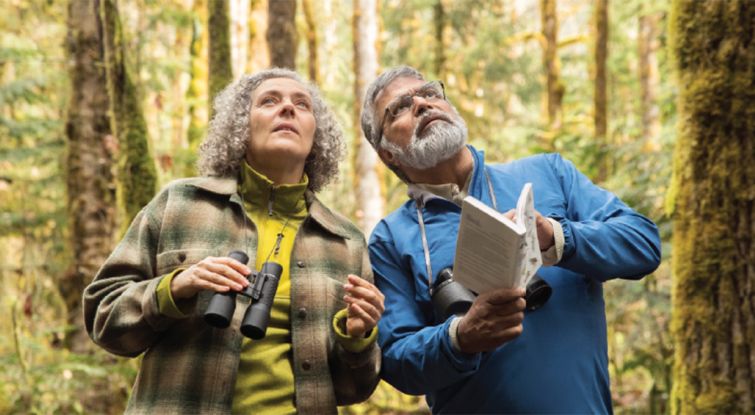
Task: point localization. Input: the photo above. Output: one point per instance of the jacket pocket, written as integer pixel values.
(180, 258)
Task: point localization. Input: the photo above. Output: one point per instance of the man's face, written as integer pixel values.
(420, 131)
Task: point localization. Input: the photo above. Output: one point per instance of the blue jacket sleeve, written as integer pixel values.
(417, 356)
(604, 238)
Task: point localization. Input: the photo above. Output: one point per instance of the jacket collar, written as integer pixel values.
(228, 186)
(424, 193)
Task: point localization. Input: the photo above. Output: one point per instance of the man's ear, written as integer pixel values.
(388, 157)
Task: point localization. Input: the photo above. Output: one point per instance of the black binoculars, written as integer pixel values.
(451, 298)
(262, 292)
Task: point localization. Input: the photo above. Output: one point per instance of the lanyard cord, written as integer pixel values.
(419, 205)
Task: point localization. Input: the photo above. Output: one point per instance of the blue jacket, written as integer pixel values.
(560, 362)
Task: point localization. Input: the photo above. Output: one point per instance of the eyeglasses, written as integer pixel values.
(431, 91)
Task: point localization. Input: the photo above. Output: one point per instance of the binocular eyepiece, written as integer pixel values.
(451, 298)
(261, 291)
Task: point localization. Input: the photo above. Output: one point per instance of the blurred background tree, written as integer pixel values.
(591, 80)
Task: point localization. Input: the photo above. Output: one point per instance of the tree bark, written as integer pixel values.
(220, 71)
(239, 35)
(439, 21)
(196, 94)
(313, 61)
(136, 174)
(281, 33)
(554, 88)
(713, 323)
(259, 57)
(366, 174)
(648, 44)
(599, 97)
(89, 176)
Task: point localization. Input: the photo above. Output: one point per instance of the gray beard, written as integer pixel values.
(440, 143)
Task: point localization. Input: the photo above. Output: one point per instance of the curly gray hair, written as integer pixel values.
(223, 150)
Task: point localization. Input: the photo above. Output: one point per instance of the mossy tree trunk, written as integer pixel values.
(713, 190)
(220, 73)
(89, 161)
(439, 23)
(600, 118)
(281, 33)
(366, 166)
(312, 44)
(136, 173)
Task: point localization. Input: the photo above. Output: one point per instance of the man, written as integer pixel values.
(497, 357)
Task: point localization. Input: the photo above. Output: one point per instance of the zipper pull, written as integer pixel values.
(278, 244)
(270, 203)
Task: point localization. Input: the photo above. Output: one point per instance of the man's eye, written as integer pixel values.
(430, 93)
(403, 104)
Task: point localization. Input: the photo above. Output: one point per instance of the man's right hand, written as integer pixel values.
(219, 274)
(494, 318)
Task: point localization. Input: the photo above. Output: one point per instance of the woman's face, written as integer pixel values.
(282, 123)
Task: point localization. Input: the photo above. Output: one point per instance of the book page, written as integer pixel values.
(487, 248)
(529, 251)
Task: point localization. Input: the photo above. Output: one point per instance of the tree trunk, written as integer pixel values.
(366, 174)
(220, 74)
(312, 62)
(329, 27)
(196, 93)
(89, 160)
(554, 88)
(647, 41)
(281, 33)
(713, 190)
(239, 35)
(599, 98)
(439, 21)
(136, 176)
(259, 57)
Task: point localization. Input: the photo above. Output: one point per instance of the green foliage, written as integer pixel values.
(493, 75)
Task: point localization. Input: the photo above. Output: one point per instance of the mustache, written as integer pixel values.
(430, 117)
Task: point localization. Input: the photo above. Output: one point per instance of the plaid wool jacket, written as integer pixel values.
(189, 366)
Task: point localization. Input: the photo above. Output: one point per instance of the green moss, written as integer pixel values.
(711, 192)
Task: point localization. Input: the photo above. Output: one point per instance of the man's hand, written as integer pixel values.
(219, 274)
(544, 229)
(494, 318)
(364, 306)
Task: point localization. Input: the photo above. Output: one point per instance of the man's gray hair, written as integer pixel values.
(224, 149)
(369, 118)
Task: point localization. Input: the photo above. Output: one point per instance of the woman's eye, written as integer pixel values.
(303, 105)
(267, 101)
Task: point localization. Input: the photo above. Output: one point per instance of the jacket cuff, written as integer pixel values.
(553, 255)
(165, 302)
(569, 244)
(349, 343)
(462, 362)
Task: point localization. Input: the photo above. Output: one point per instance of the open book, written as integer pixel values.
(493, 251)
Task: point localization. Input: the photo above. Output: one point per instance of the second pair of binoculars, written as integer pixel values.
(261, 291)
(451, 298)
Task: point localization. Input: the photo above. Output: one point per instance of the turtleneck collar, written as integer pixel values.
(256, 189)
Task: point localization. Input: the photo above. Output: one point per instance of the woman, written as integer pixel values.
(270, 146)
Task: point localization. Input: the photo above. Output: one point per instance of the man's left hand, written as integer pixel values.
(364, 306)
(544, 229)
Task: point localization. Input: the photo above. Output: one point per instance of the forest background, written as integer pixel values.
(103, 102)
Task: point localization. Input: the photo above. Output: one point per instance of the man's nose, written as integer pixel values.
(421, 105)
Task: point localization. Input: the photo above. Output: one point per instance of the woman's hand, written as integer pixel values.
(219, 274)
(364, 306)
